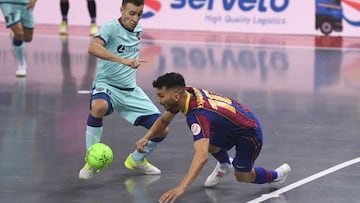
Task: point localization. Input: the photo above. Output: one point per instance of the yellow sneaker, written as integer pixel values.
(63, 28)
(143, 166)
(87, 172)
(93, 29)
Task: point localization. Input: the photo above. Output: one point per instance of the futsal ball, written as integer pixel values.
(99, 156)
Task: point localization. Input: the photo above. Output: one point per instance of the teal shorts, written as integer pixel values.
(14, 13)
(130, 104)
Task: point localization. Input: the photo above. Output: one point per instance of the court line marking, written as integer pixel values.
(276, 193)
(84, 91)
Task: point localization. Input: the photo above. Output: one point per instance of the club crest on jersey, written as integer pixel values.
(195, 128)
(138, 35)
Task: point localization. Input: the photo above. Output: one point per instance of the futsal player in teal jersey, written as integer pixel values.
(217, 124)
(19, 18)
(117, 45)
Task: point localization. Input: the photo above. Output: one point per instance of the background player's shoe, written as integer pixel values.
(282, 171)
(63, 28)
(86, 172)
(218, 173)
(93, 29)
(21, 71)
(143, 166)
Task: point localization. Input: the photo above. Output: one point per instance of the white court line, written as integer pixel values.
(276, 193)
(84, 92)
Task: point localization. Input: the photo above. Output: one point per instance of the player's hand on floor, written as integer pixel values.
(171, 195)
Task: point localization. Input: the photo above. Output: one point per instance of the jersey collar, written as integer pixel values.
(187, 102)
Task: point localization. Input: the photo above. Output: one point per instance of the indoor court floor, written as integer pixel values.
(304, 89)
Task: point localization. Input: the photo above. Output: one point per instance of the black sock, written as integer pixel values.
(92, 10)
(64, 6)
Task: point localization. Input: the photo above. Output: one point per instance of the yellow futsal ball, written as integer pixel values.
(99, 156)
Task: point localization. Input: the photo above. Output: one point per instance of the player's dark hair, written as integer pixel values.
(169, 80)
(135, 2)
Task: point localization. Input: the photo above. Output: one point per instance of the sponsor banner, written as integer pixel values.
(351, 17)
(263, 16)
(316, 17)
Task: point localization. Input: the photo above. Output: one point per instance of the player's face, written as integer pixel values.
(168, 99)
(130, 15)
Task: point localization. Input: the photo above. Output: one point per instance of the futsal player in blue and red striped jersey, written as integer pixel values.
(218, 124)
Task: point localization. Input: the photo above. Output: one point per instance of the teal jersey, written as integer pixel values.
(15, 1)
(123, 43)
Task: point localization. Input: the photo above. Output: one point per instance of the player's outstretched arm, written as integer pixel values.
(156, 129)
(200, 158)
(97, 48)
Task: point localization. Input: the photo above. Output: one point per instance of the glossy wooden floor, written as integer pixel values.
(308, 99)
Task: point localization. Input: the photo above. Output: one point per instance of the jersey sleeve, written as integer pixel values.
(199, 126)
(105, 32)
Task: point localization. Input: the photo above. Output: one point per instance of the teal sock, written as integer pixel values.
(19, 53)
(93, 135)
(150, 147)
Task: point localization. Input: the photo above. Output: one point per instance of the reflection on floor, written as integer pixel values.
(306, 91)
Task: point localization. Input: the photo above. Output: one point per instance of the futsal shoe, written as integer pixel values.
(93, 29)
(218, 173)
(86, 172)
(144, 166)
(282, 171)
(21, 71)
(63, 28)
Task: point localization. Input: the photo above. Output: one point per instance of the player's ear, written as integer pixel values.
(176, 96)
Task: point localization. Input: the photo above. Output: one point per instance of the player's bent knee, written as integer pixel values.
(18, 32)
(19, 36)
(98, 107)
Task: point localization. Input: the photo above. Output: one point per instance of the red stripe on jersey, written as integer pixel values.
(204, 123)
